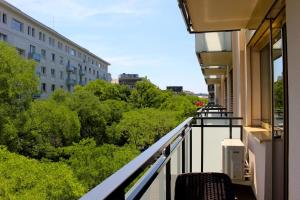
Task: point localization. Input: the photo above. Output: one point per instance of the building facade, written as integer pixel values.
(129, 79)
(61, 63)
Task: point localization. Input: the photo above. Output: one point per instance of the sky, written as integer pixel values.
(146, 37)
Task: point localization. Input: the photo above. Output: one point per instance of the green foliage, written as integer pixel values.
(182, 104)
(100, 115)
(92, 164)
(17, 80)
(49, 124)
(23, 178)
(146, 95)
(92, 113)
(143, 127)
(104, 90)
(278, 94)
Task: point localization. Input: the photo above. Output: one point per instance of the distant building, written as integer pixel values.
(129, 79)
(115, 81)
(175, 88)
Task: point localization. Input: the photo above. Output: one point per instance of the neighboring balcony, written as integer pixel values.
(194, 146)
(71, 82)
(70, 68)
(35, 56)
(81, 72)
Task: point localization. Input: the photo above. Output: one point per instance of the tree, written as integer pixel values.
(92, 164)
(104, 90)
(93, 115)
(183, 104)
(17, 80)
(143, 127)
(48, 124)
(146, 95)
(278, 94)
(24, 178)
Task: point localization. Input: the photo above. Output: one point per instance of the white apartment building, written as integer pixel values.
(61, 62)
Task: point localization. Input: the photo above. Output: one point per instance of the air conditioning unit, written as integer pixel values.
(233, 158)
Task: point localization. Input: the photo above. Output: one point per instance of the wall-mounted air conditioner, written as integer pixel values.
(233, 158)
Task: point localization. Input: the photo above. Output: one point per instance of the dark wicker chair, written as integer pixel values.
(204, 186)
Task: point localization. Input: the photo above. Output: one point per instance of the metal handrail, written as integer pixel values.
(114, 186)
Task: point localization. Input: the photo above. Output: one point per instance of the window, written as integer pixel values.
(3, 37)
(32, 49)
(93, 72)
(61, 60)
(43, 53)
(17, 25)
(90, 70)
(43, 70)
(53, 73)
(53, 57)
(52, 87)
(265, 73)
(59, 45)
(21, 52)
(33, 32)
(73, 52)
(40, 36)
(29, 30)
(51, 41)
(44, 37)
(44, 87)
(85, 68)
(85, 80)
(62, 87)
(4, 18)
(61, 75)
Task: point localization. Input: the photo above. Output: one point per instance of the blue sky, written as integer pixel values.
(147, 37)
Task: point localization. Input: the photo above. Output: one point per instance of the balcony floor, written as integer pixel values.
(244, 192)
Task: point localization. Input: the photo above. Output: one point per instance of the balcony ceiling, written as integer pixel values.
(213, 81)
(213, 71)
(215, 58)
(224, 15)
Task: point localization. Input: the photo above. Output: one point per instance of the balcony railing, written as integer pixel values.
(34, 56)
(71, 81)
(193, 146)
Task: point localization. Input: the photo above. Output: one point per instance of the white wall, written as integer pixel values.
(293, 44)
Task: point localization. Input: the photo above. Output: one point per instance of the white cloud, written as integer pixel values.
(80, 9)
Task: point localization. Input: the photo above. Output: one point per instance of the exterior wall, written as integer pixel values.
(92, 67)
(293, 43)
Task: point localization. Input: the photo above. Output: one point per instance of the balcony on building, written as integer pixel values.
(71, 82)
(81, 72)
(70, 68)
(35, 56)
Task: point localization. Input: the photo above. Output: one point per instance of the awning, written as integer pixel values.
(223, 15)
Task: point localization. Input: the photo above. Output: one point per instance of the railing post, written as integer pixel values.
(230, 128)
(241, 134)
(202, 142)
(168, 174)
(191, 150)
(183, 152)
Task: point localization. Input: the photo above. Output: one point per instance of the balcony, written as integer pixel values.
(194, 146)
(70, 68)
(81, 72)
(35, 56)
(71, 82)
